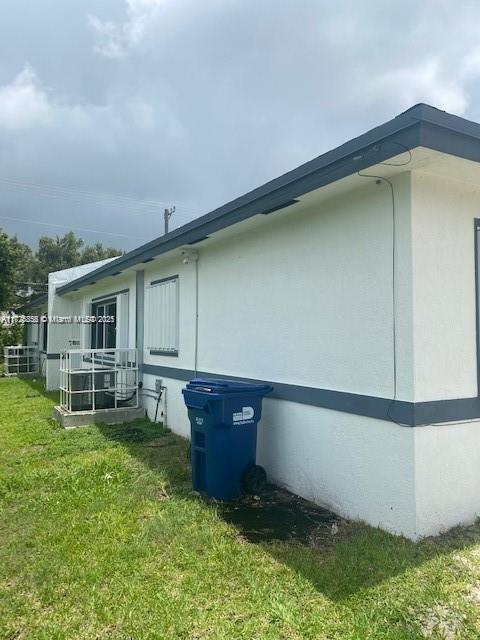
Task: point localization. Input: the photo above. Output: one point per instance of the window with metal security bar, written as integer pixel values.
(162, 317)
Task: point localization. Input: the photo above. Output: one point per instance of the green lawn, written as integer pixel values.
(101, 537)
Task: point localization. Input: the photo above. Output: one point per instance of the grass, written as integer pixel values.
(101, 538)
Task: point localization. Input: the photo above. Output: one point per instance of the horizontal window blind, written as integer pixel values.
(162, 316)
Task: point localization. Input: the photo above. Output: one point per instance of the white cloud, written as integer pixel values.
(424, 82)
(205, 100)
(116, 39)
(110, 36)
(24, 104)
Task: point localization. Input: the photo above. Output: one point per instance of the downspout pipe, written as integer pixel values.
(191, 255)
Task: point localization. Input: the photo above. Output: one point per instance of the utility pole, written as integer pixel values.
(167, 214)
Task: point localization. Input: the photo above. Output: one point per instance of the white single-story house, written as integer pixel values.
(52, 338)
(350, 284)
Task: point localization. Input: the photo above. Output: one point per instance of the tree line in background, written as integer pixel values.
(24, 273)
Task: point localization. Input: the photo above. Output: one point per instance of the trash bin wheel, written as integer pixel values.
(254, 479)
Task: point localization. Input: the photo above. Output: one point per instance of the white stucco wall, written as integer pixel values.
(443, 213)
(447, 456)
(447, 476)
(358, 467)
(177, 419)
(306, 299)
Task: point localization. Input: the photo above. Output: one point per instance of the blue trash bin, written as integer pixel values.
(223, 416)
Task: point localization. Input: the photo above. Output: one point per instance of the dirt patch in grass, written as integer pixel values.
(441, 622)
(278, 515)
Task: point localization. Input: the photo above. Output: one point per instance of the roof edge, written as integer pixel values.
(376, 145)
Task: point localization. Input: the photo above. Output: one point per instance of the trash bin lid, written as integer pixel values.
(220, 385)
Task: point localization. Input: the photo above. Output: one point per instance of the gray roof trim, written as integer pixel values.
(402, 412)
(421, 125)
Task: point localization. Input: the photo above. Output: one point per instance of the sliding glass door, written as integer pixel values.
(104, 330)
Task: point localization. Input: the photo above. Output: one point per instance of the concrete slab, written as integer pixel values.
(103, 416)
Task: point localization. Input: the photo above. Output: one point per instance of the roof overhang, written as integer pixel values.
(421, 126)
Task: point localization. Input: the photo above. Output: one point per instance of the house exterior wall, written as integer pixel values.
(309, 299)
(310, 295)
(447, 476)
(447, 456)
(59, 338)
(306, 299)
(107, 289)
(62, 336)
(443, 213)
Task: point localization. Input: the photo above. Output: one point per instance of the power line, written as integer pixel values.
(59, 191)
(84, 193)
(78, 197)
(33, 284)
(76, 200)
(63, 226)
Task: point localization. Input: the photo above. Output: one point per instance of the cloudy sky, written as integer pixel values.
(111, 110)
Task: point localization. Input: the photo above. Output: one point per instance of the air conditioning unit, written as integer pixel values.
(97, 379)
(92, 390)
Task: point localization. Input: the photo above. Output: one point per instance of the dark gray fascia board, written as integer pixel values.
(422, 125)
(455, 124)
(451, 141)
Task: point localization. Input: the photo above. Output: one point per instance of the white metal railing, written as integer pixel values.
(21, 359)
(98, 379)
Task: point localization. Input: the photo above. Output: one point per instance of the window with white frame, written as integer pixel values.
(161, 321)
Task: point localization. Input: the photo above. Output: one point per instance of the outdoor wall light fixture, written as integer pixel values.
(188, 255)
